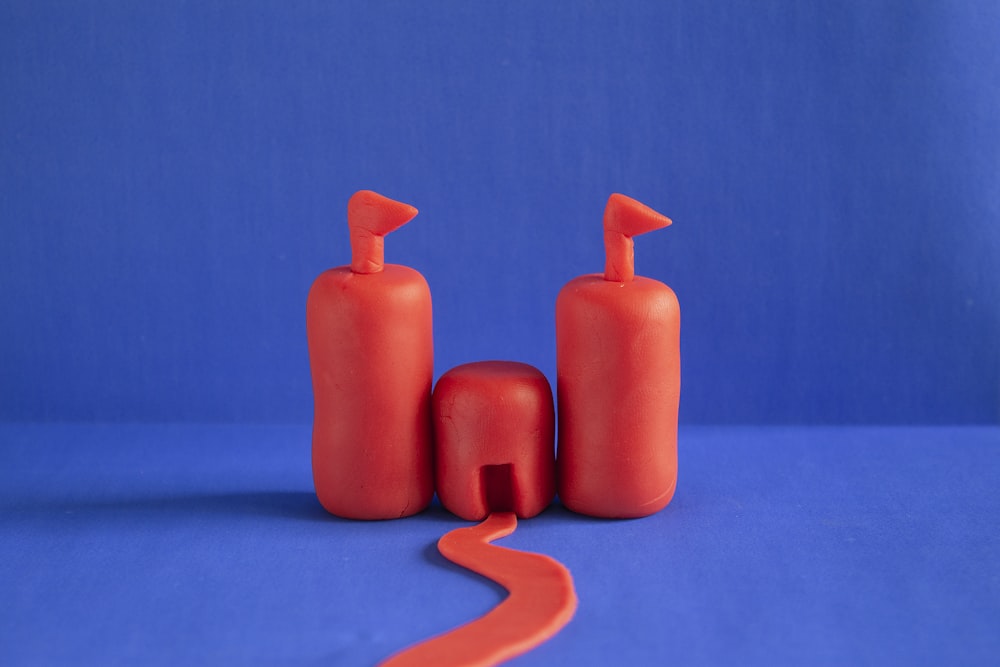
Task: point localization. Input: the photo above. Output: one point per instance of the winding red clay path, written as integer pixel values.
(541, 601)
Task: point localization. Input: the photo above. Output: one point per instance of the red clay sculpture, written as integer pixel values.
(372, 359)
(618, 370)
(618, 379)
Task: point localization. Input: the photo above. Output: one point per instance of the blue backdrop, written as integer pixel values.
(174, 175)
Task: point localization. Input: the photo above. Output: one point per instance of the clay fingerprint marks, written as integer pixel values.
(541, 601)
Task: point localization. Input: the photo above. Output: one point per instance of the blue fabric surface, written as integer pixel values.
(156, 545)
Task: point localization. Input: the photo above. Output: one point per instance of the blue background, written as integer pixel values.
(174, 175)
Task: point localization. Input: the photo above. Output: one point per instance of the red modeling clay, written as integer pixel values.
(618, 379)
(494, 431)
(541, 601)
(371, 353)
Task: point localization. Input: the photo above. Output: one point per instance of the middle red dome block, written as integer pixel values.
(494, 434)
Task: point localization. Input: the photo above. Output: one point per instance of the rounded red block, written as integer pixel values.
(619, 385)
(494, 427)
(372, 358)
